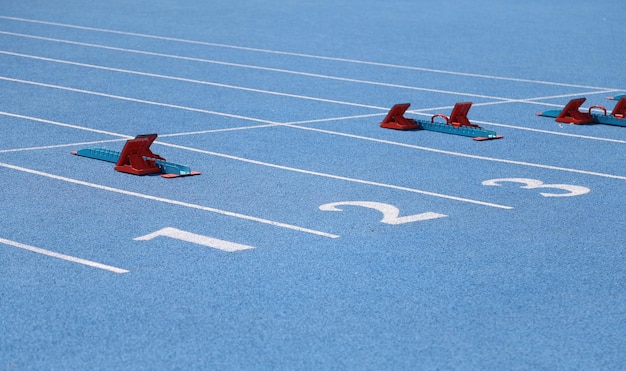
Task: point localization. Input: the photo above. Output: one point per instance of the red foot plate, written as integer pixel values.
(178, 176)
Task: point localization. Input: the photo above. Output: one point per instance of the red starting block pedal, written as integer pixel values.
(458, 117)
(619, 111)
(137, 158)
(571, 113)
(395, 119)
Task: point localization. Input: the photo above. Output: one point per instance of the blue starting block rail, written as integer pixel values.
(99, 154)
(476, 133)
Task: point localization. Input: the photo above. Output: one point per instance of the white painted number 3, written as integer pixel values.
(571, 190)
(391, 214)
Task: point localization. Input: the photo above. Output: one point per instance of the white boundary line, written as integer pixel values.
(239, 65)
(209, 83)
(534, 100)
(422, 113)
(241, 159)
(71, 126)
(135, 100)
(217, 154)
(500, 100)
(69, 258)
(268, 123)
(302, 55)
(418, 112)
(579, 136)
(338, 177)
(168, 201)
(529, 100)
(460, 154)
(354, 136)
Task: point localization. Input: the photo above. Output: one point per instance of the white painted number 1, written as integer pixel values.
(198, 239)
(572, 190)
(391, 214)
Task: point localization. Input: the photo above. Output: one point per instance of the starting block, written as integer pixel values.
(137, 158)
(571, 113)
(457, 123)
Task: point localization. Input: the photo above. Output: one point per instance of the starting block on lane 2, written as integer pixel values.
(457, 123)
(137, 158)
(571, 113)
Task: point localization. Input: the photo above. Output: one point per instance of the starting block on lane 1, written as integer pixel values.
(137, 158)
(571, 113)
(457, 123)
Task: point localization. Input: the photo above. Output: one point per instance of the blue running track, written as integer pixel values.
(314, 239)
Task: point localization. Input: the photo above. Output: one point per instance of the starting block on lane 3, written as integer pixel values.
(457, 123)
(137, 158)
(571, 113)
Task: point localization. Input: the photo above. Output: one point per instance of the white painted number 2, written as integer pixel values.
(572, 190)
(391, 214)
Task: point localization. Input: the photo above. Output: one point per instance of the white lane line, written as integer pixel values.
(56, 123)
(418, 112)
(297, 126)
(122, 136)
(195, 238)
(266, 164)
(169, 201)
(54, 146)
(193, 81)
(569, 95)
(134, 100)
(342, 118)
(533, 101)
(537, 130)
(208, 83)
(239, 65)
(69, 258)
(272, 123)
(460, 154)
(338, 177)
(579, 136)
(199, 132)
(302, 55)
(266, 123)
